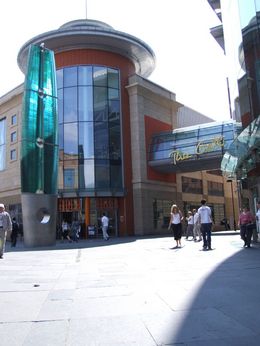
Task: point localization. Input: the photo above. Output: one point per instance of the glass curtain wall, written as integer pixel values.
(89, 129)
(250, 25)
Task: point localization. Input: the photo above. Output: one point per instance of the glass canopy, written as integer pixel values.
(243, 152)
(193, 148)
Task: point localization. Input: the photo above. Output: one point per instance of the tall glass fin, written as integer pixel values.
(39, 156)
(39, 149)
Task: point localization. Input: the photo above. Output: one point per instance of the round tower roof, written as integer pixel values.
(93, 34)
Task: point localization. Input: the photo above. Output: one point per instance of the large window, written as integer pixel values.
(191, 185)
(161, 213)
(90, 128)
(2, 143)
(215, 189)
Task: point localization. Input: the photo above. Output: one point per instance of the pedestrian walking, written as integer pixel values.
(15, 231)
(105, 223)
(258, 216)
(190, 226)
(206, 224)
(65, 231)
(246, 223)
(75, 230)
(5, 226)
(175, 224)
(197, 225)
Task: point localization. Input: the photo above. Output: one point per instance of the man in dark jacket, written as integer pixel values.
(15, 232)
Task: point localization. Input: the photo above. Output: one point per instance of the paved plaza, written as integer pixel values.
(131, 291)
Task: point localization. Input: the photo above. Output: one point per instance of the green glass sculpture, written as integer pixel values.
(39, 152)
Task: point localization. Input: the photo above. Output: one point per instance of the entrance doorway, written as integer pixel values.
(98, 206)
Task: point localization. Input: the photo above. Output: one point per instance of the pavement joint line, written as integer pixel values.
(36, 321)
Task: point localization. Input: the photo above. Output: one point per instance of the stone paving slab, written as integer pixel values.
(131, 291)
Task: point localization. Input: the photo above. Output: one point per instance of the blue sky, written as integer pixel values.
(189, 62)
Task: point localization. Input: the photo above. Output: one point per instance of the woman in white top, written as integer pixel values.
(175, 224)
(189, 230)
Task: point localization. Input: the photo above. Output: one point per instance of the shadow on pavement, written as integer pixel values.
(81, 244)
(225, 309)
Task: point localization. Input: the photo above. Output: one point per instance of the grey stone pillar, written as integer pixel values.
(39, 219)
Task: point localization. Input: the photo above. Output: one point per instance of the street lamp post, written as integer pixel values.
(233, 206)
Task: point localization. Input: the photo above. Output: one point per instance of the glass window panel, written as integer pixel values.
(70, 76)
(191, 185)
(61, 137)
(86, 140)
(100, 104)
(60, 106)
(87, 174)
(100, 76)
(59, 75)
(85, 75)
(14, 136)
(85, 103)
(113, 94)
(161, 213)
(116, 175)
(101, 140)
(209, 131)
(70, 105)
(215, 189)
(14, 119)
(2, 157)
(13, 154)
(102, 174)
(114, 110)
(70, 141)
(114, 143)
(69, 177)
(113, 78)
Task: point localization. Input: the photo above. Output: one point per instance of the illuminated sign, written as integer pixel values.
(69, 204)
(177, 156)
(215, 144)
(201, 148)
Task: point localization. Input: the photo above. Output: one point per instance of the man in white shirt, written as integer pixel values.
(105, 222)
(206, 224)
(5, 225)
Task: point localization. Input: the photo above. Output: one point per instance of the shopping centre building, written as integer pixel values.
(127, 147)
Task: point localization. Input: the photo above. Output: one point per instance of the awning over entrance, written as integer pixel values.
(193, 148)
(243, 152)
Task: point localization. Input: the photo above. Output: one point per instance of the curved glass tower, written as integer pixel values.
(89, 129)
